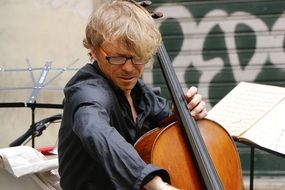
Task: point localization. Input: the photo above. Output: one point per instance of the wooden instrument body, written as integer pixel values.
(211, 163)
(166, 147)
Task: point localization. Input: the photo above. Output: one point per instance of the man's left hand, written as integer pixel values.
(195, 103)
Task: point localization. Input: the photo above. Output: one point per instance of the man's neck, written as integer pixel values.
(131, 103)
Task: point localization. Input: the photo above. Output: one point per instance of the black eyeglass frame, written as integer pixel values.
(121, 60)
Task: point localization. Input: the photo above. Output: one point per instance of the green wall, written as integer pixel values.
(216, 44)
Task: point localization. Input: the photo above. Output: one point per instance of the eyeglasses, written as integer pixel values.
(121, 60)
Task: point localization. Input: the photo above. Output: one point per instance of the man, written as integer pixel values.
(108, 107)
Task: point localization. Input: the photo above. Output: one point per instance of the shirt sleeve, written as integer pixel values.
(109, 149)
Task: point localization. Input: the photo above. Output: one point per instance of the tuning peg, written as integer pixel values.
(145, 3)
(156, 15)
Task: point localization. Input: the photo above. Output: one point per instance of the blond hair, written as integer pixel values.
(125, 22)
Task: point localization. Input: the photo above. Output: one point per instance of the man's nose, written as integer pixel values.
(128, 66)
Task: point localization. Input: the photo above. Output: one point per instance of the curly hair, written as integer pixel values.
(126, 22)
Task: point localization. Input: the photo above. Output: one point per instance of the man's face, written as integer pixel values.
(124, 76)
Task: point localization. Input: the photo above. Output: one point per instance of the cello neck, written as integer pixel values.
(188, 124)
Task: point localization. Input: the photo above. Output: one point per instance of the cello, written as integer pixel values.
(197, 155)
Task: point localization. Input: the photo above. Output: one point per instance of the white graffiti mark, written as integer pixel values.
(277, 39)
(203, 29)
(269, 44)
(258, 58)
(188, 26)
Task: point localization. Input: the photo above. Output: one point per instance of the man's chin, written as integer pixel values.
(127, 88)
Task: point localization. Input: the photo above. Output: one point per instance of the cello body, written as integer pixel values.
(198, 155)
(166, 147)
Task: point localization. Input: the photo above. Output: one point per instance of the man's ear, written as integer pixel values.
(93, 54)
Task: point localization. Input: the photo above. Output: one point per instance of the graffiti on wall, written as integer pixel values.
(268, 44)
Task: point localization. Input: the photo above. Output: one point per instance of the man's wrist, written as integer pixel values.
(156, 184)
(163, 186)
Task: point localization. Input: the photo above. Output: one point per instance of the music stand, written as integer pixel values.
(22, 89)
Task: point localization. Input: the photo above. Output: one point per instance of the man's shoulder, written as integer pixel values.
(83, 75)
(86, 86)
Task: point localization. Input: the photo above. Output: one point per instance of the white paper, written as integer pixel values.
(269, 132)
(244, 106)
(23, 160)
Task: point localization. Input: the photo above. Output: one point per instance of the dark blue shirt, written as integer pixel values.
(97, 133)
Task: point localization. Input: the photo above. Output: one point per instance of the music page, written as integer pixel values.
(241, 108)
(269, 131)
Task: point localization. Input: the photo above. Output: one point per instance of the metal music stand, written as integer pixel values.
(48, 82)
(252, 155)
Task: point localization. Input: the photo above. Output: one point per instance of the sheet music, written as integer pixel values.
(24, 160)
(269, 132)
(244, 105)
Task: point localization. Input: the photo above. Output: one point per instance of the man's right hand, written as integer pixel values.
(157, 184)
